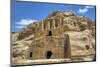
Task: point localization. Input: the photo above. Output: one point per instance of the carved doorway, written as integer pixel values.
(48, 54)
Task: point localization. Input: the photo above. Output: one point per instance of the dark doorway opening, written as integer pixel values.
(50, 33)
(49, 54)
(30, 54)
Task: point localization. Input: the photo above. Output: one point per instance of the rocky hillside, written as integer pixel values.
(81, 30)
(72, 21)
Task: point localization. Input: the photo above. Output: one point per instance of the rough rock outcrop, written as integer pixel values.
(81, 31)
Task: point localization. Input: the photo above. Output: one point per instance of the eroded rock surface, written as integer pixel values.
(80, 29)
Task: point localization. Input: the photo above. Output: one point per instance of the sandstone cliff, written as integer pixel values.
(80, 29)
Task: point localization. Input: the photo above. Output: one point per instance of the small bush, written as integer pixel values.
(83, 27)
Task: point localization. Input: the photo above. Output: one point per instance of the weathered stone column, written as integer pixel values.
(42, 26)
(53, 21)
(61, 21)
(48, 24)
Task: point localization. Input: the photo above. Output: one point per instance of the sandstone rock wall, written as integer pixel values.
(46, 34)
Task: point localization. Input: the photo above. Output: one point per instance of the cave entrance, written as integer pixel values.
(50, 33)
(49, 54)
(30, 54)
